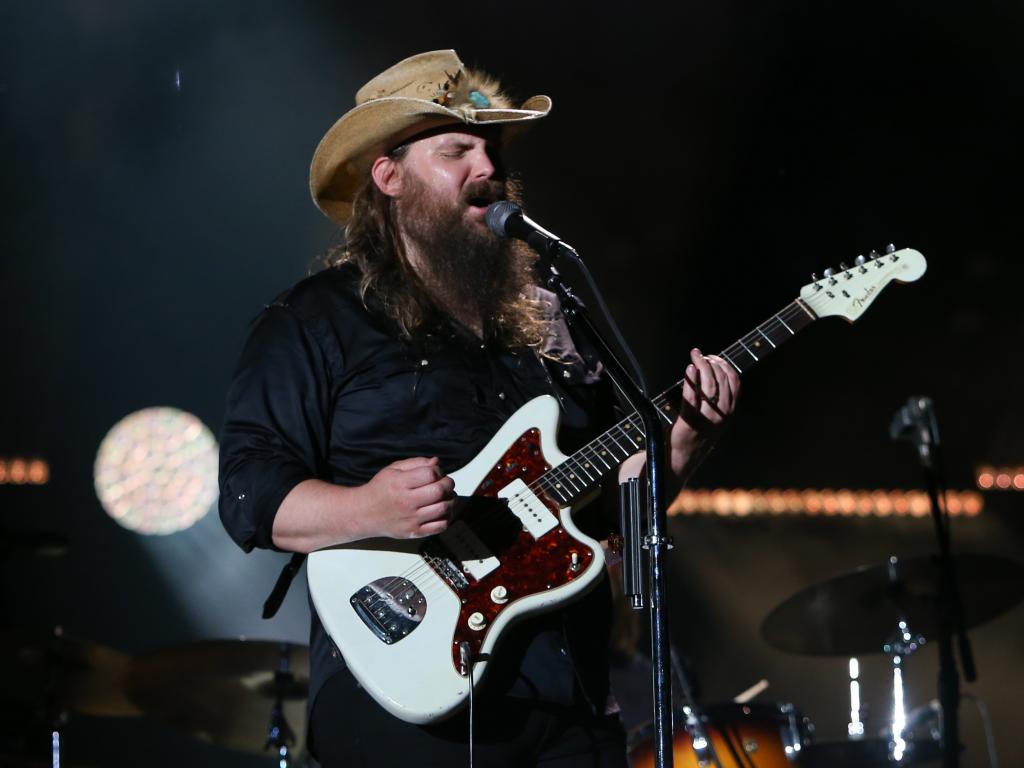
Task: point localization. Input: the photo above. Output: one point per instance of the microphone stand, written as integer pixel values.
(656, 541)
(916, 421)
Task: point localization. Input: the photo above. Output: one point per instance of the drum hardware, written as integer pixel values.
(743, 735)
(57, 673)
(220, 692)
(696, 721)
(279, 733)
(889, 609)
(855, 614)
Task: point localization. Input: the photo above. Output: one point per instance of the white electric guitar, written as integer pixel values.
(418, 620)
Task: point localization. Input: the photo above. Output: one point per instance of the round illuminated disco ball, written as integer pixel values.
(156, 470)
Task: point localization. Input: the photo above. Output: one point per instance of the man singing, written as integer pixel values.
(360, 389)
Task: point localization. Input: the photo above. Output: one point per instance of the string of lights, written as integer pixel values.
(827, 502)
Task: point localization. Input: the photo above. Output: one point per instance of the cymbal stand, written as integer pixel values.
(900, 647)
(279, 734)
(916, 422)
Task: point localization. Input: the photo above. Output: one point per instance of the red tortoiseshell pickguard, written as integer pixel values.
(528, 565)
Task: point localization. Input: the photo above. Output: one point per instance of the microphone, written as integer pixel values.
(506, 219)
(916, 422)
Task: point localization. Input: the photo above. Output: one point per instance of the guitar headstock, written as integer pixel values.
(849, 292)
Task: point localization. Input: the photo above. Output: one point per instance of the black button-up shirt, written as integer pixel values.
(325, 388)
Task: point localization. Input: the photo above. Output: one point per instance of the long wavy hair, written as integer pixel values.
(373, 245)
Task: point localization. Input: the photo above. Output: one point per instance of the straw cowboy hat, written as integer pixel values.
(423, 92)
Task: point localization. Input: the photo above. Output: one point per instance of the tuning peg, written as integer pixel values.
(814, 277)
(829, 272)
(843, 266)
(874, 254)
(859, 261)
(890, 248)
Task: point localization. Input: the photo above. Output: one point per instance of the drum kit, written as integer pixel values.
(886, 609)
(243, 695)
(249, 695)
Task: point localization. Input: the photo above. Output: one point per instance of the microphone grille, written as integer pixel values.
(498, 214)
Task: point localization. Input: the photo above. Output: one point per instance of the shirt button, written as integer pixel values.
(563, 651)
(241, 497)
(565, 373)
(501, 395)
(424, 362)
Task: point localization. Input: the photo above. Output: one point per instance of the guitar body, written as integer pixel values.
(406, 623)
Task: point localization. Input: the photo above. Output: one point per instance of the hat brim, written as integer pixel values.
(348, 149)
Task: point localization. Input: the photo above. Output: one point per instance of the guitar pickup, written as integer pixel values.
(465, 547)
(536, 518)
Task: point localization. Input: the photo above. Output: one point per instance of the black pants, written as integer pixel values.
(350, 730)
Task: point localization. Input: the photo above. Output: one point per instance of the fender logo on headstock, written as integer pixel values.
(861, 301)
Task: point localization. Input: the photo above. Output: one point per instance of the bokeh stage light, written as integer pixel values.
(156, 471)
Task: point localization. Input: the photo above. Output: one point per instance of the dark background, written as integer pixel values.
(704, 158)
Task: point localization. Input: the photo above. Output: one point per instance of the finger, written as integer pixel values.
(448, 485)
(430, 529)
(421, 476)
(725, 394)
(413, 462)
(432, 513)
(731, 374)
(430, 493)
(712, 412)
(691, 386)
(708, 383)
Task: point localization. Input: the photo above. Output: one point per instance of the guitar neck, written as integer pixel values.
(585, 469)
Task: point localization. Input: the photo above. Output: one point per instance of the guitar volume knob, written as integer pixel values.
(499, 595)
(476, 621)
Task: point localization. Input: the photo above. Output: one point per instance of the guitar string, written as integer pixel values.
(564, 472)
(796, 309)
(570, 470)
(597, 446)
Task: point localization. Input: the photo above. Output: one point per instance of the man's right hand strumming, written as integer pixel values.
(407, 499)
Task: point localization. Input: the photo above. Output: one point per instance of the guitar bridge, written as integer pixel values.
(390, 607)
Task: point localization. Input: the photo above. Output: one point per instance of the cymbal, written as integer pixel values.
(222, 691)
(858, 612)
(65, 672)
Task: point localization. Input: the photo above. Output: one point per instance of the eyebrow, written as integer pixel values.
(454, 143)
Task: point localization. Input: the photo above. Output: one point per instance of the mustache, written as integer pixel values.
(484, 192)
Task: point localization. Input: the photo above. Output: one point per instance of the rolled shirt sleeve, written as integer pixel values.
(276, 424)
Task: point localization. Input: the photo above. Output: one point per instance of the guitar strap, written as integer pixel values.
(284, 581)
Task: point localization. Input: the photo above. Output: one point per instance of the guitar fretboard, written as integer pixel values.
(585, 469)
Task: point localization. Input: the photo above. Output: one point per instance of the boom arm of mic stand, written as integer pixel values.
(657, 540)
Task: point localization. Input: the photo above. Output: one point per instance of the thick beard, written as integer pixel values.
(470, 272)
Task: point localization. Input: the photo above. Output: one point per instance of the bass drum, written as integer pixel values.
(743, 736)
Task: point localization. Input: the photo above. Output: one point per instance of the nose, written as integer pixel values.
(483, 165)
